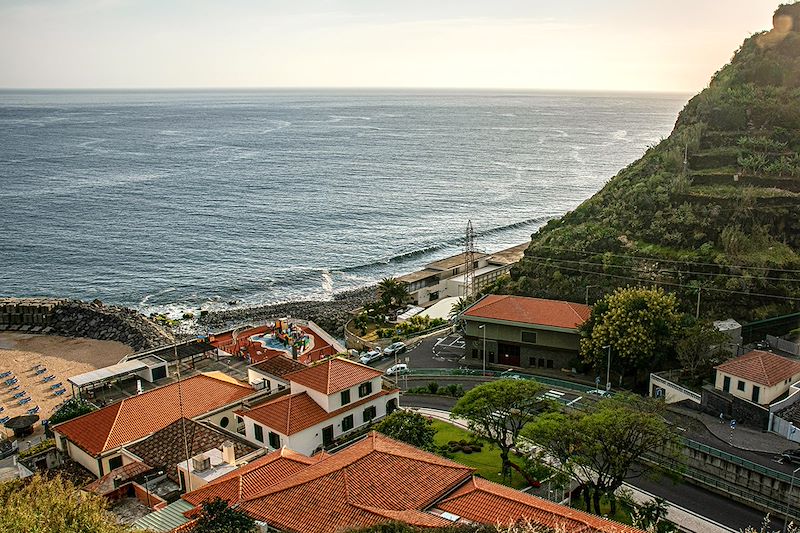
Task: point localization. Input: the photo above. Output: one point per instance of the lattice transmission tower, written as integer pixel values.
(469, 262)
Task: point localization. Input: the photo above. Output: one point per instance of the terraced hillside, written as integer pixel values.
(713, 208)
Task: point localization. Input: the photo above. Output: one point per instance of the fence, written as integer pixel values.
(673, 391)
(554, 382)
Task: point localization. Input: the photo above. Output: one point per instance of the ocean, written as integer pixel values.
(181, 200)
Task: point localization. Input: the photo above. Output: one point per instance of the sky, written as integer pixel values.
(584, 45)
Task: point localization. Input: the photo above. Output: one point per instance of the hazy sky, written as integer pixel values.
(650, 45)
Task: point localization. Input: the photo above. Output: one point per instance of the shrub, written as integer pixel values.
(433, 387)
(72, 408)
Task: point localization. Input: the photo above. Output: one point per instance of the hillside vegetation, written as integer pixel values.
(716, 205)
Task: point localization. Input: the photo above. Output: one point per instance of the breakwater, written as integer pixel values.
(331, 315)
(76, 318)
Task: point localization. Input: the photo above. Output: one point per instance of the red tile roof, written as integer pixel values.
(764, 368)
(139, 416)
(294, 413)
(535, 311)
(252, 478)
(349, 489)
(279, 366)
(486, 502)
(333, 375)
(125, 473)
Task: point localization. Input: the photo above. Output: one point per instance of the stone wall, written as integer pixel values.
(75, 318)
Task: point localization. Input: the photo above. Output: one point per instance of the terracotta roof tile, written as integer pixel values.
(139, 416)
(349, 489)
(279, 366)
(486, 502)
(764, 368)
(333, 375)
(294, 413)
(535, 311)
(126, 473)
(166, 448)
(252, 478)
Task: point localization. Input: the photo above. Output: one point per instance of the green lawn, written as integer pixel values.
(486, 462)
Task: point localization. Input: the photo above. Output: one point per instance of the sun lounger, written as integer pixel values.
(56, 386)
(5, 419)
(60, 392)
(2, 408)
(10, 382)
(19, 395)
(5, 374)
(15, 387)
(40, 371)
(24, 400)
(33, 411)
(51, 377)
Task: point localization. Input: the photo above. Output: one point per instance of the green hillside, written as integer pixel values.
(715, 205)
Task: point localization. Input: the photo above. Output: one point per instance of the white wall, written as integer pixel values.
(767, 394)
(335, 400)
(83, 458)
(320, 398)
(256, 379)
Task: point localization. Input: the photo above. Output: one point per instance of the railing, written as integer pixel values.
(734, 459)
(496, 374)
(743, 492)
(671, 384)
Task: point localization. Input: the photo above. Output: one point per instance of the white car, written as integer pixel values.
(394, 349)
(399, 368)
(370, 356)
(599, 392)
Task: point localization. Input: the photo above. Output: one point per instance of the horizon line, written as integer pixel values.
(340, 88)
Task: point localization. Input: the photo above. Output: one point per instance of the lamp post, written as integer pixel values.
(788, 500)
(587, 292)
(483, 327)
(608, 368)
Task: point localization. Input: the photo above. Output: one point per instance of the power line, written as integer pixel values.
(696, 263)
(666, 283)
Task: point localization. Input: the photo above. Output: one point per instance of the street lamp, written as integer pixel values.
(483, 327)
(608, 368)
(587, 291)
(788, 500)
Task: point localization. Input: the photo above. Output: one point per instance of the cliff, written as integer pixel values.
(715, 207)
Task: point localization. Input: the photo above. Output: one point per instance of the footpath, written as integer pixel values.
(687, 520)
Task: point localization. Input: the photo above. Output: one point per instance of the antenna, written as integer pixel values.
(183, 421)
(469, 262)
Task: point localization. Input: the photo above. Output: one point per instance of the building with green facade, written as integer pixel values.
(523, 332)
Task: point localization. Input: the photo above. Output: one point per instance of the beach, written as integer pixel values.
(63, 357)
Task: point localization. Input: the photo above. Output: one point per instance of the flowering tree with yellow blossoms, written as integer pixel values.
(640, 324)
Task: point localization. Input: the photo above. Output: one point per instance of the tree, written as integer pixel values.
(599, 445)
(408, 427)
(217, 517)
(639, 324)
(652, 516)
(497, 411)
(701, 347)
(53, 506)
(393, 293)
(457, 310)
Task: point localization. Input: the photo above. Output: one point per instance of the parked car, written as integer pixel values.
(370, 356)
(394, 349)
(399, 368)
(792, 456)
(599, 392)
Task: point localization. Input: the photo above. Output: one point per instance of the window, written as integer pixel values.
(529, 337)
(364, 389)
(474, 353)
(345, 397)
(540, 363)
(224, 421)
(274, 440)
(740, 385)
(347, 423)
(258, 432)
(116, 462)
(369, 414)
(549, 363)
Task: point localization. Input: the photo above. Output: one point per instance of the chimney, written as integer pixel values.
(228, 453)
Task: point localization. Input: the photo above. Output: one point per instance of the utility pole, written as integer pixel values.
(469, 263)
(697, 313)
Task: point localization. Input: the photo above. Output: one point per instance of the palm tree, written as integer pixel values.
(393, 293)
(458, 309)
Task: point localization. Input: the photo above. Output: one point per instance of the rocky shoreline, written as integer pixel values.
(331, 315)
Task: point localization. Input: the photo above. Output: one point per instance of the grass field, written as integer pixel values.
(486, 462)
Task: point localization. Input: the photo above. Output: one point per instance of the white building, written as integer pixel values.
(757, 376)
(325, 402)
(445, 278)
